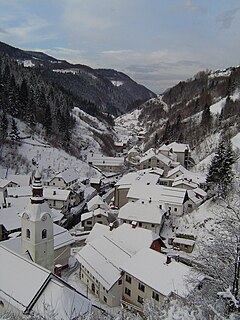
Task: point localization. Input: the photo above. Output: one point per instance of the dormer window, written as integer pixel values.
(28, 234)
(44, 234)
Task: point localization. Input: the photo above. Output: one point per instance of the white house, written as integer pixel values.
(22, 180)
(96, 203)
(106, 164)
(101, 258)
(57, 198)
(146, 214)
(88, 219)
(64, 179)
(183, 152)
(175, 200)
(152, 275)
(143, 177)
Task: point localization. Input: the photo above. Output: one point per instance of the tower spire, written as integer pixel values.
(37, 188)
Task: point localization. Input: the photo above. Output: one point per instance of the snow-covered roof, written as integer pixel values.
(164, 147)
(68, 175)
(102, 258)
(179, 168)
(142, 176)
(35, 211)
(4, 183)
(25, 191)
(184, 241)
(178, 147)
(150, 267)
(100, 160)
(157, 193)
(62, 237)
(153, 170)
(43, 288)
(97, 231)
(132, 239)
(94, 213)
(186, 182)
(106, 250)
(22, 180)
(141, 211)
(10, 219)
(56, 194)
(151, 154)
(95, 202)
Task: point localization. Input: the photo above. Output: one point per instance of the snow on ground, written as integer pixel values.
(220, 73)
(117, 83)
(236, 95)
(216, 108)
(50, 160)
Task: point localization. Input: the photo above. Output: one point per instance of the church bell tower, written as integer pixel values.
(37, 228)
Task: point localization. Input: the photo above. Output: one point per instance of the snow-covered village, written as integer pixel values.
(119, 190)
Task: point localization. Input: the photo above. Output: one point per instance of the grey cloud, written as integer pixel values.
(3, 31)
(226, 18)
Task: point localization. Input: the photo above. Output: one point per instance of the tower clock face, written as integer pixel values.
(44, 217)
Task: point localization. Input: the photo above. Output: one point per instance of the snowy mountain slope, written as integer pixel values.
(19, 154)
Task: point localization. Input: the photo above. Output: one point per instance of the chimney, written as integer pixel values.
(111, 226)
(134, 224)
(177, 258)
(168, 259)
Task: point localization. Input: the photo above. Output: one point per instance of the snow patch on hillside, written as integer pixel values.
(117, 83)
(236, 95)
(217, 107)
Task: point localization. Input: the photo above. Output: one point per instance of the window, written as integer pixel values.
(140, 299)
(153, 225)
(89, 222)
(175, 209)
(82, 276)
(140, 224)
(141, 287)
(189, 205)
(119, 282)
(44, 234)
(128, 292)
(128, 278)
(155, 296)
(105, 299)
(28, 234)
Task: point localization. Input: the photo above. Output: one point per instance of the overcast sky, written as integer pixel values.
(156, 42)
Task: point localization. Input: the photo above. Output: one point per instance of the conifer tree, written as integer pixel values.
(14, 133)
(220, 174)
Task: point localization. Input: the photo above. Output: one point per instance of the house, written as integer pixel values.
(57, 199)
(106, 164)
(64, 179)
(43, 292)
(175, 200)
(76, 193)
(183, 244)
(21, 180)
(4, 184)
(152, 159)
(152, 275)
(96, 203)
(146, 214)
(101, 258)
(88, 219)
(122, 186)
(96, 183)
(183, 152)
